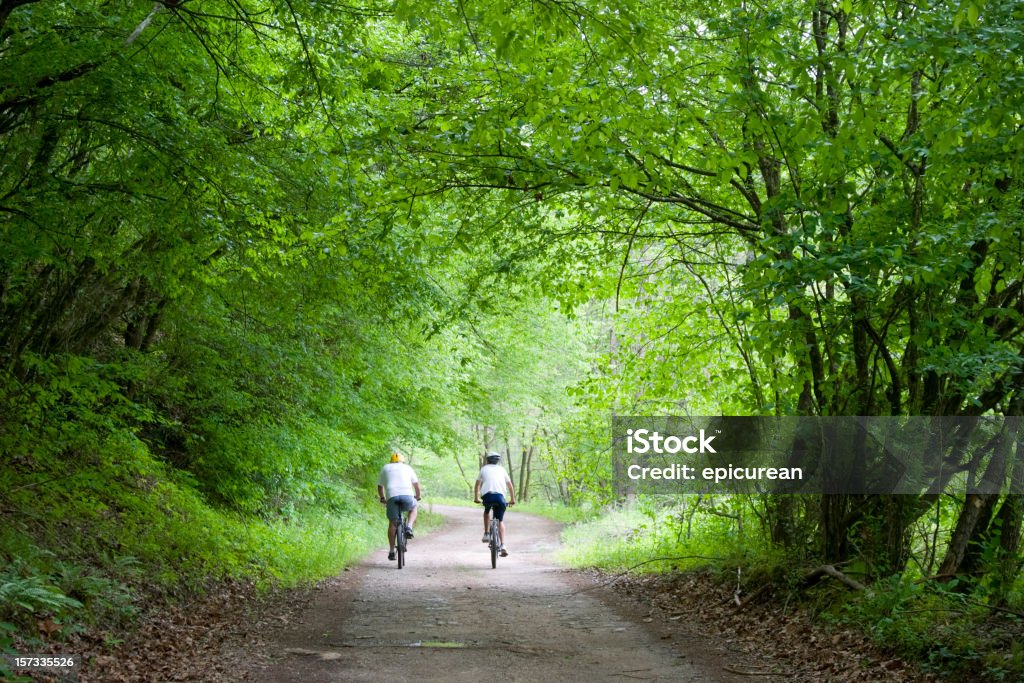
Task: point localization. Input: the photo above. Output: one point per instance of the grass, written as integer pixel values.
(556, 511)
(312, 545)
(95, 585)
(649, 535)
(90, 551)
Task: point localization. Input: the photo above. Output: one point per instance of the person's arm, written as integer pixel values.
(511, 491)
(380, 493)
(416, 487)
(476, 491)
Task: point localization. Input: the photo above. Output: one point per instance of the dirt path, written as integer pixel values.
(449, 617)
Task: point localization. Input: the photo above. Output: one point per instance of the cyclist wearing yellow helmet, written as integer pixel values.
(399, 487)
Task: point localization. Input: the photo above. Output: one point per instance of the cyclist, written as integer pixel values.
(493, 482)
(399, 487)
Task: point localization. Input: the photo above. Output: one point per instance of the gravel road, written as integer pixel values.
(447, 616)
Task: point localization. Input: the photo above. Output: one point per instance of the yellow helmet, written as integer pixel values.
(397, 457)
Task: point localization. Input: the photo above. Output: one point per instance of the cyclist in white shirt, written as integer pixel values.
(493, 483)
(399, 487)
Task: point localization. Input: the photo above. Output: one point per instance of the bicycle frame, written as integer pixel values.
(495, 543)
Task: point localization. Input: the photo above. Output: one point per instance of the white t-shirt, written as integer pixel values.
(492, 479)
(397, 478)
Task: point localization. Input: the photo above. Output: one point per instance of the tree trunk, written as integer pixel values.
(973, 556)
(835, 511)
(972, 526)
(975, 507)
(524, 464)
(1010, 518)
(781, 520)
(508, 458)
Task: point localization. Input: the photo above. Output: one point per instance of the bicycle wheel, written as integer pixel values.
(495, 541)
(400, 541)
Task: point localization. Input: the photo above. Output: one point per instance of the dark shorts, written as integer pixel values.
(496, 502)
(403, 503)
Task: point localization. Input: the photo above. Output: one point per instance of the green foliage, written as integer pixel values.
(566, 514)
(32, 594)
(951, 632)
(312, 545)
(96, 540)
(47, 586)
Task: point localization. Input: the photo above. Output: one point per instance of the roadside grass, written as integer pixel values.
(556, 511)
(658, 535)
(89, 551)
(313, 544)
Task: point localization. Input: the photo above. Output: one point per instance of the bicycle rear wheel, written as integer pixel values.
(400, 541)
(494, 543)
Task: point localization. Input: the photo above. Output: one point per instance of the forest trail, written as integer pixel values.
(447, 616)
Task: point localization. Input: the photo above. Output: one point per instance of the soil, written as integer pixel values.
(448, 616)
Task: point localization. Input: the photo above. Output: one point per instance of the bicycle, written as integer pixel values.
(400, 538)
(494, 541)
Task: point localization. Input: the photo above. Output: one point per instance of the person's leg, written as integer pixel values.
(412, 517)
(487, 523)
(392, 526)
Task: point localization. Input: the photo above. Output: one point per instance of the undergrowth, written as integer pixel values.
(91, 545)
(658, 535)
(948, 629)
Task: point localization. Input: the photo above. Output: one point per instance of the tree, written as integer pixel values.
(855, 165)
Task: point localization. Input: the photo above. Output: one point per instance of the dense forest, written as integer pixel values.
(247, 249)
